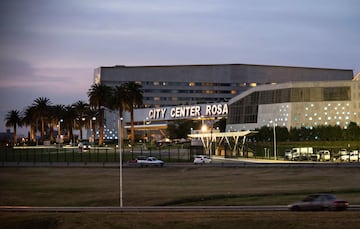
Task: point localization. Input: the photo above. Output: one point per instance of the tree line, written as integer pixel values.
(42, 116)
(317, 133)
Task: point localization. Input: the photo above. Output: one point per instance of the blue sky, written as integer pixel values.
(49, 48)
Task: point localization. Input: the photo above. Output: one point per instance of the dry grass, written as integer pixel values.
(170, 185)
(189, 186)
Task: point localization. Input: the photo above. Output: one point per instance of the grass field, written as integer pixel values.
(176, 186)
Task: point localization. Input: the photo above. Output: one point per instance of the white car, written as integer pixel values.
(202, 159)
(322, 155)
(353, 156)
(147, 161)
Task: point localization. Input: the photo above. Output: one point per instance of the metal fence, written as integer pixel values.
(176, 153)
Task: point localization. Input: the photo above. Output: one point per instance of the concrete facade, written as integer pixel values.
(192, 84)
(183, 85)
(341, 107)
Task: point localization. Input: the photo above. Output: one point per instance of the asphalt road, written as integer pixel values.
(215, 163)
(152, 208)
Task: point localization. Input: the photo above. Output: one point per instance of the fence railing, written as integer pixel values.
(94, 154)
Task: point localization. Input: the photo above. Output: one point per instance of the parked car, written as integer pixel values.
(146, 161)
(322, 201)
(201, 159)
(321, 155)
(350, 157)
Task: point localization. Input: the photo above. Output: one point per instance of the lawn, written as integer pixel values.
(198, 185)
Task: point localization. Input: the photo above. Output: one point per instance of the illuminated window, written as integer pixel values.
(156, 83)
(191, 84)
(252, 84)
(233, 92)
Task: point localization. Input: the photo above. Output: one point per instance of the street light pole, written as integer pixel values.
(120, 162)
(274, 127)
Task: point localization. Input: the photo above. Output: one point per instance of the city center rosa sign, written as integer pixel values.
(191, 111)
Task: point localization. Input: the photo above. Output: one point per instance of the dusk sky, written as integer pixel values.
(49, 48)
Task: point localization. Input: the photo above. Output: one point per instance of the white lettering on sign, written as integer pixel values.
(218, 109)
(158, 113)
(187, 111)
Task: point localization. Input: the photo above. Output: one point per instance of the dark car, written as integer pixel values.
(319, 202)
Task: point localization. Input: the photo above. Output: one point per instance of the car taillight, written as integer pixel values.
(340, 203)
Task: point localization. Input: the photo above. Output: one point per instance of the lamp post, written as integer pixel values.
(59, 129)
(92, 136)
(120, 163)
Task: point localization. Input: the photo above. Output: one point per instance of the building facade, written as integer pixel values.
(193, 84)
(183, 85)
(296, 104)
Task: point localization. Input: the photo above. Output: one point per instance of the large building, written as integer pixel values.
(296, 104)
(194, 84)
(177, 85)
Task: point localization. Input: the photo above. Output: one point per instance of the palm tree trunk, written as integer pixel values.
(52, 132)
(15, 136)
(42, 128)
(101, 127)
(32, 132)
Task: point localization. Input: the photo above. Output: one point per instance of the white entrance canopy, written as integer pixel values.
(231, 138)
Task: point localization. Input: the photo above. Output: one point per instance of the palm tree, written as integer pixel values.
(56, 116)
(13, 119)
(118, 102)
(81, 109)
(99, 95)
(30, 119)
(134, 100)
(42, 105)
(69, 117)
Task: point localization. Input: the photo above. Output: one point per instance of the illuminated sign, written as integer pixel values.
(191, 111)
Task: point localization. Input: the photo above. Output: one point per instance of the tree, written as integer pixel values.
(41, 106)
(134, 99)
(118, 102)
(13, 119)
(99, 95)
(352, 132)
(30, 119)
(56, 116)
(220, 124)
(180, 128)
(81, 109)
(69, 118)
